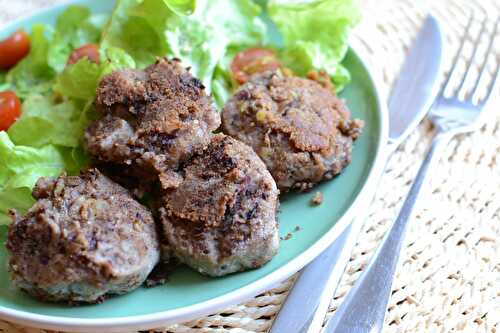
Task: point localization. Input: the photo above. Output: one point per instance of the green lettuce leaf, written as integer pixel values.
(153, 28)
(45, 122)
(50, 49)
(222, 85)
(133, 34)
(20, 168)
(116, 58)
(74, 28)
(3, 84)
(181, 7)
(33, 74)
(18, 198)
(80, 80)
(315, 34)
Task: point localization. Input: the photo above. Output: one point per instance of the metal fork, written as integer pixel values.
(364, 308)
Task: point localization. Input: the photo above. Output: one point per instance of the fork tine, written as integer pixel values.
(457, 56)
(483, 68)
(472, 57)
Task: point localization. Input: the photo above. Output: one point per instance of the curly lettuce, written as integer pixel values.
(75, 27)
(200, 37)
(20, 168)
(315, 35)
(79, 81)
(41, 121)
(46, 139)
(33, 74)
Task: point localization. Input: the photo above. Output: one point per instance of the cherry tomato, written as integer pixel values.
(10, 109)
(13, 49)
(89, 51)
(251, 61)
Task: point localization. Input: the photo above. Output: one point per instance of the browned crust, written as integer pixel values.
(299, 128)
(76, 234)
(153, 119)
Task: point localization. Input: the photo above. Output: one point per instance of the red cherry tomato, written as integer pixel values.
(251, 61)
(13, 49)
(89, 51)
(10, 109)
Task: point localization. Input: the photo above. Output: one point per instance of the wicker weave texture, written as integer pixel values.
(449, 276)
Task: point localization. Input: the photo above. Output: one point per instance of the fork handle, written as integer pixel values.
(365, 306)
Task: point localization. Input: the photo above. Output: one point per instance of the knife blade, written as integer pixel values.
(413, 92)
(417, 84)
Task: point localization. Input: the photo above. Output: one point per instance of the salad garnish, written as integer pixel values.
(55, 73)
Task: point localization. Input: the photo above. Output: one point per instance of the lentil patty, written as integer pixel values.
(83, 239)
(220, 216)
(299, 128)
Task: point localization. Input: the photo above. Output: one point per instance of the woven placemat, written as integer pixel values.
(449, 277)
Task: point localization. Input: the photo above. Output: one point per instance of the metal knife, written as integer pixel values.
(414, 91)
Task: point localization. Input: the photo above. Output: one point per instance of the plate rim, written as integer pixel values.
(162, 318)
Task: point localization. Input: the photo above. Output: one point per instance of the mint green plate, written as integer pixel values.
(189, 294)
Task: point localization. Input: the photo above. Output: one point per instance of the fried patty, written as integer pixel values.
(84, 238)
(153, 120)
(219, 217)
(299, 128)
